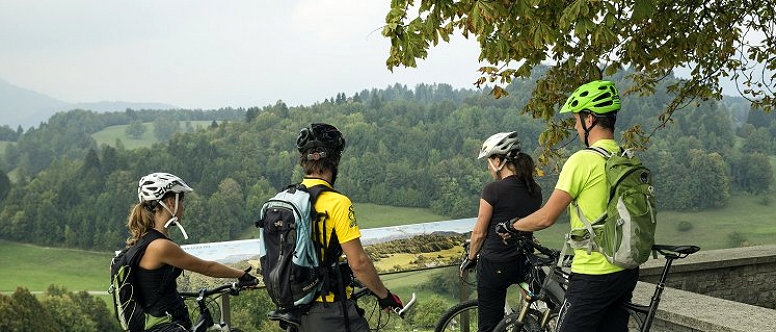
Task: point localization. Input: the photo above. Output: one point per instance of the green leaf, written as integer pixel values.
(643, 10)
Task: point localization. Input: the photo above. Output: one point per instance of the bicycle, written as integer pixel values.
(214, 300)
(290, 321)
(463, 316)
(540, 311)
(641, 315)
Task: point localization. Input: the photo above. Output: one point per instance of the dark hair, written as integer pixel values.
(605, 121)
(312, 165)
(524, 170)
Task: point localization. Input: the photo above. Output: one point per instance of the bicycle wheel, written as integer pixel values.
(212, 306)
(635, 320)
(460, 318)
(510, 323)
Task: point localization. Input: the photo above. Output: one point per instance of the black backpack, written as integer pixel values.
(290, 254)
(127, 301)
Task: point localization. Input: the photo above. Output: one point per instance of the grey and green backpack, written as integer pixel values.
(625, 232)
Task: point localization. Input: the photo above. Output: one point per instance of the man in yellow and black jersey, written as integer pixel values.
(320, 147)
(596, 287)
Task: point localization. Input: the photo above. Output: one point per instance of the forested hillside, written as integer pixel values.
(413, 147)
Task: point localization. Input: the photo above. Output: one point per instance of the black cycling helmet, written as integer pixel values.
(320, 135)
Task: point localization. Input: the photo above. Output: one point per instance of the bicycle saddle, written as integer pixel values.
(683, 250)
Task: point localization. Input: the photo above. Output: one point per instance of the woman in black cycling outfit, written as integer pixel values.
(514, 193)
(160, 205)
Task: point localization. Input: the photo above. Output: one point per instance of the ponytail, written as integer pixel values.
(140, 220)
(524, 170)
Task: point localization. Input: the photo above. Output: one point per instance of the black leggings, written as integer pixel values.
(493, 280)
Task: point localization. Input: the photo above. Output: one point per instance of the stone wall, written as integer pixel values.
(716, 290)
(746, 275)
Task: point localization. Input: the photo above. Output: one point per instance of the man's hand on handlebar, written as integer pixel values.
(391, 302)
(505, 229)
(247, 280)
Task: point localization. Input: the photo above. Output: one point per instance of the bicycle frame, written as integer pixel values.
(222, 295)
(645, 314)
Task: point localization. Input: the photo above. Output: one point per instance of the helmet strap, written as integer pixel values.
(587, 130)
(174, 219)
(497, 170)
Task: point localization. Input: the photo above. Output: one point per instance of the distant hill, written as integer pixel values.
(19, 106)
(119, 106)
(27, 108)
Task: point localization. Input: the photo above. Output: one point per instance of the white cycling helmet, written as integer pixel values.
(500, 144)
(154, 186)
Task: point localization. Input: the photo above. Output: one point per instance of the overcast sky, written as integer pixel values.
(211, 54)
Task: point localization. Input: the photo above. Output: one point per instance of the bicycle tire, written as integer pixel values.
(450, 320)
(530, 323)
(635, 320)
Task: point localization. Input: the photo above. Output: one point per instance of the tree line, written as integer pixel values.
(411, 147)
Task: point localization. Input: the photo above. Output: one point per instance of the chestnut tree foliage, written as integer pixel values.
(584, 40)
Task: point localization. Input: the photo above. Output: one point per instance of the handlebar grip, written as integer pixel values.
(407, 306)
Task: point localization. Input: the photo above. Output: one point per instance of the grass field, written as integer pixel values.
(3, 145)
(109, 135)
(373, 215)
(35, 268)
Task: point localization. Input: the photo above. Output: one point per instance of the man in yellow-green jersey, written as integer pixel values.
(596, 287)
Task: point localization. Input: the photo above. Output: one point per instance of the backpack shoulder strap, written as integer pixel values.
(603, 152)
(138, 249)
(316, 191)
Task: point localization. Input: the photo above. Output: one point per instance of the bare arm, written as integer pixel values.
(363, 268)
(161, 252)
(480, 228)
(546, 215)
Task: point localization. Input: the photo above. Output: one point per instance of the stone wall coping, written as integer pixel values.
(705, 313)
(713, 259)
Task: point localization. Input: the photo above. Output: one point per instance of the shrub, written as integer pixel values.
(684, 226)
(736, 240)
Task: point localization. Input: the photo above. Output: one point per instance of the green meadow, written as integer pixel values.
(35, 268)
(110, 134)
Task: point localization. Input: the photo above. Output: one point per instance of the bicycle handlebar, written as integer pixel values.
(407, 306)
(233, 288)
(540, 248)
(362, 291)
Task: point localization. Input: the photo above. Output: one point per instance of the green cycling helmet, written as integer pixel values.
(599, 97)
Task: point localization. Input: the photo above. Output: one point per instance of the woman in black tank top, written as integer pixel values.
(160, 206)
(513, 194)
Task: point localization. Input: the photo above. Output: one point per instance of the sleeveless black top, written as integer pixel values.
(510, 198)
(159, 291)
